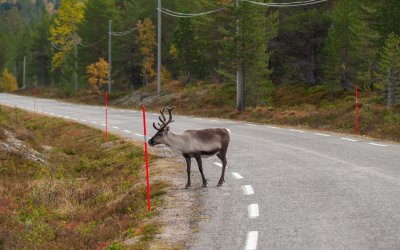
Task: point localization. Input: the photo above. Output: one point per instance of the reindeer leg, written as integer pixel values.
(222, 157)
(188, 163)
(199, 163)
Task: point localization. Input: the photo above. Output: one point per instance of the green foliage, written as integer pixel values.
(186, 50)
(93, 31)
(390, 70)
(257, 29)
(333, 43)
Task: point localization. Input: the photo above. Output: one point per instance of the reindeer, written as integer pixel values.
(193, 143)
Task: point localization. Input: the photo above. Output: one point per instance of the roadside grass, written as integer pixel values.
(87, 195)
(317, 107)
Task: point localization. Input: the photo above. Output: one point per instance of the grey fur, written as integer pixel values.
(194, 143)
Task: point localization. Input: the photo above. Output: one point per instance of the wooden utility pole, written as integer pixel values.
(76, 61)
(109, 54)
(159, 49)
(240, 104)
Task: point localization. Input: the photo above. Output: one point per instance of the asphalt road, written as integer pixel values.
(285, 188)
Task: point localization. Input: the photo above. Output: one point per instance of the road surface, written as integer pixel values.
(285, 188)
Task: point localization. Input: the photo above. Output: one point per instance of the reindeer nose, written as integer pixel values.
(151, 142)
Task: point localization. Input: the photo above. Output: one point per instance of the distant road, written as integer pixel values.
(285, 188)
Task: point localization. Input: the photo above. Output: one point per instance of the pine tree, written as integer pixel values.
(387, 17)
(93, 31)
(351, 44)
(257, 28)
(301, 40)
(186, 50)
(390, 70)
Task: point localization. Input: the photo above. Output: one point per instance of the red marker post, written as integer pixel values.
(356, 110)
(146, 158)
(106, 101)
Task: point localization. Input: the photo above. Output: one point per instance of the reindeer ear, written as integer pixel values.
(166, 129)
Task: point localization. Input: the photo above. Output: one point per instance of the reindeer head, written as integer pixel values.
(162, 131)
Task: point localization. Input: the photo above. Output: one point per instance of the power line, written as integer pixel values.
(57, 47)
(180, 14)
(90, 44)
(284, 5)
(123, 33)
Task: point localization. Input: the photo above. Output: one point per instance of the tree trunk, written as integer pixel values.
(188, 76)
(391, 91)
(312, 79)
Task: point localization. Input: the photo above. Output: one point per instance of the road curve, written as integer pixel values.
(285, 188)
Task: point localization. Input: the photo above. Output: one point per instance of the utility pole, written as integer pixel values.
(109, 54)
(76, 61)
(239, 66)
(159, 50)
(24, 73)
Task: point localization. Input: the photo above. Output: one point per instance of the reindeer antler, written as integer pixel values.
(163, 120)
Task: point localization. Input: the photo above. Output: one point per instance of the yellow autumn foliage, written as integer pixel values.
(8, 82)
(64, 28)
(147, 42)
(97, 75)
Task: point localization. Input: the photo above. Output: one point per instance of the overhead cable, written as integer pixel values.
(283, 5)
(57, 47)
(90, 44)
(123, 33)
(164, 10)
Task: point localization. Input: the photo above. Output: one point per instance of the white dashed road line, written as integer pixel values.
(321, 134)
(253, 211)
(218, 164)
(251, 241)
(377, 144)
(83, 120)
(272, 127)
(248, 189)
(297, 130)
(127, 131)
(138, 134)
(249, 124)
(93, 122)
(237, 176)
(115, 127)
(347, 139)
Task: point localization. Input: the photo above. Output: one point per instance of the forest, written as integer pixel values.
(338, 44)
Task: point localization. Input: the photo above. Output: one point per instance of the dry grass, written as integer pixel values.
(88, 195)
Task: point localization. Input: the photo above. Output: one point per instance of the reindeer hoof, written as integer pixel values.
(220, 183)
(188, 186)
(205, 185)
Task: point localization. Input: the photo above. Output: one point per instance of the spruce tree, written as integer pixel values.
(390, 70)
